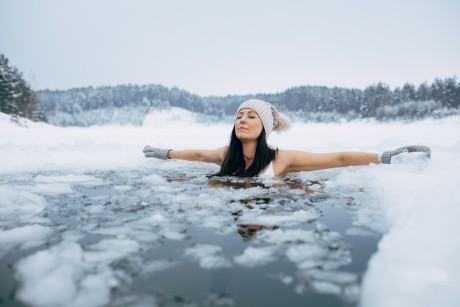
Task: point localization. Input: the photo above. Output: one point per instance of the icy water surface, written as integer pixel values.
(162, 237)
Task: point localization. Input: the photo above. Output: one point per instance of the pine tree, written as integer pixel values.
(16, 97)
(6, 86)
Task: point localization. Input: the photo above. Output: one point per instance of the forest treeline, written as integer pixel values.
(129, 104)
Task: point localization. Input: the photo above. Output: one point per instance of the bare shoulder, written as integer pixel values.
(222, 151)
(284, 160)
(220, 154)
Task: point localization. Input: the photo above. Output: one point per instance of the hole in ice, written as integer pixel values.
(169, 229)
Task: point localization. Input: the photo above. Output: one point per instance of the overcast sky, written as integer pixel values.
(213, 47)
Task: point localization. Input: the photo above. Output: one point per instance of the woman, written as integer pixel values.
(249, 155)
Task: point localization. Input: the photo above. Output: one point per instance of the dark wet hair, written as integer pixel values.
(234, 164)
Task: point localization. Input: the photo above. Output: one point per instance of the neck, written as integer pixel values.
(249, 152)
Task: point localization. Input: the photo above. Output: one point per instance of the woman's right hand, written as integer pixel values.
(155, 152)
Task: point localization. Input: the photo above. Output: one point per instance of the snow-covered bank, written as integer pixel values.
(415, 205)
(417, 261)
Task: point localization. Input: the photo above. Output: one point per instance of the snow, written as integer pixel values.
(161, 118)
(413, 205)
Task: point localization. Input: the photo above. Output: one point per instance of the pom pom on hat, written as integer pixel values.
(284, 123)
(272, 120)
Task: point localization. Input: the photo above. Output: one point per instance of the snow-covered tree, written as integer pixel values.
(16, 96)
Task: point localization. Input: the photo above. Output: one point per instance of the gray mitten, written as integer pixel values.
(154, 152)
(385, 157)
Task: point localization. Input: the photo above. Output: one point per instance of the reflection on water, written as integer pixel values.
(172, 239)
(247, 231)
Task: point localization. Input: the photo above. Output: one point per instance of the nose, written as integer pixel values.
(243, 119)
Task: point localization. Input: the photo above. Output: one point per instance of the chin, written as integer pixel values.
(245, 137)
(240, 136)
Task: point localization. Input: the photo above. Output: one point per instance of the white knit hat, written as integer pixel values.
(271, 118)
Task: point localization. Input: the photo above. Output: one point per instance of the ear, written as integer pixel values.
(283, 123)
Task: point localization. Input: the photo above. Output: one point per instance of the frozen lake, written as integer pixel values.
(86, 220)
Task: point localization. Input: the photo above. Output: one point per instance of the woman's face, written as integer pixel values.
(248, 125)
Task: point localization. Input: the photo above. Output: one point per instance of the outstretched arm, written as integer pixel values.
(296, 161)
(212, 156)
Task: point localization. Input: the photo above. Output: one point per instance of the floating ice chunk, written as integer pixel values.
(71, 178)
(256, 256)
(355, 231)
(280, 236)
(24, 237)
(300, 288)
(168, 229)
(333, 282)
(209, 221)
(366, 186)
(94, 290)
(58, 277)
(297, 191)
(300, 216)
(144, 236)
(136, 300)
(17, 204)
(201, 250)
(72, 235)
(209, 256)
(306, 256)
(182, 201)
(122, 188)
(285, 279)
(109, 250)
(51, 189)
(218, 300)
(207, 200)
(157, 218)
(352, 292)
(132, 230)
(326, 287)
(155, 179)
(173, 234)
(115, 231)
(48, 277)
(221, 223)
(338, 277)
(326, 249)
(158, 265)
(269, 181)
